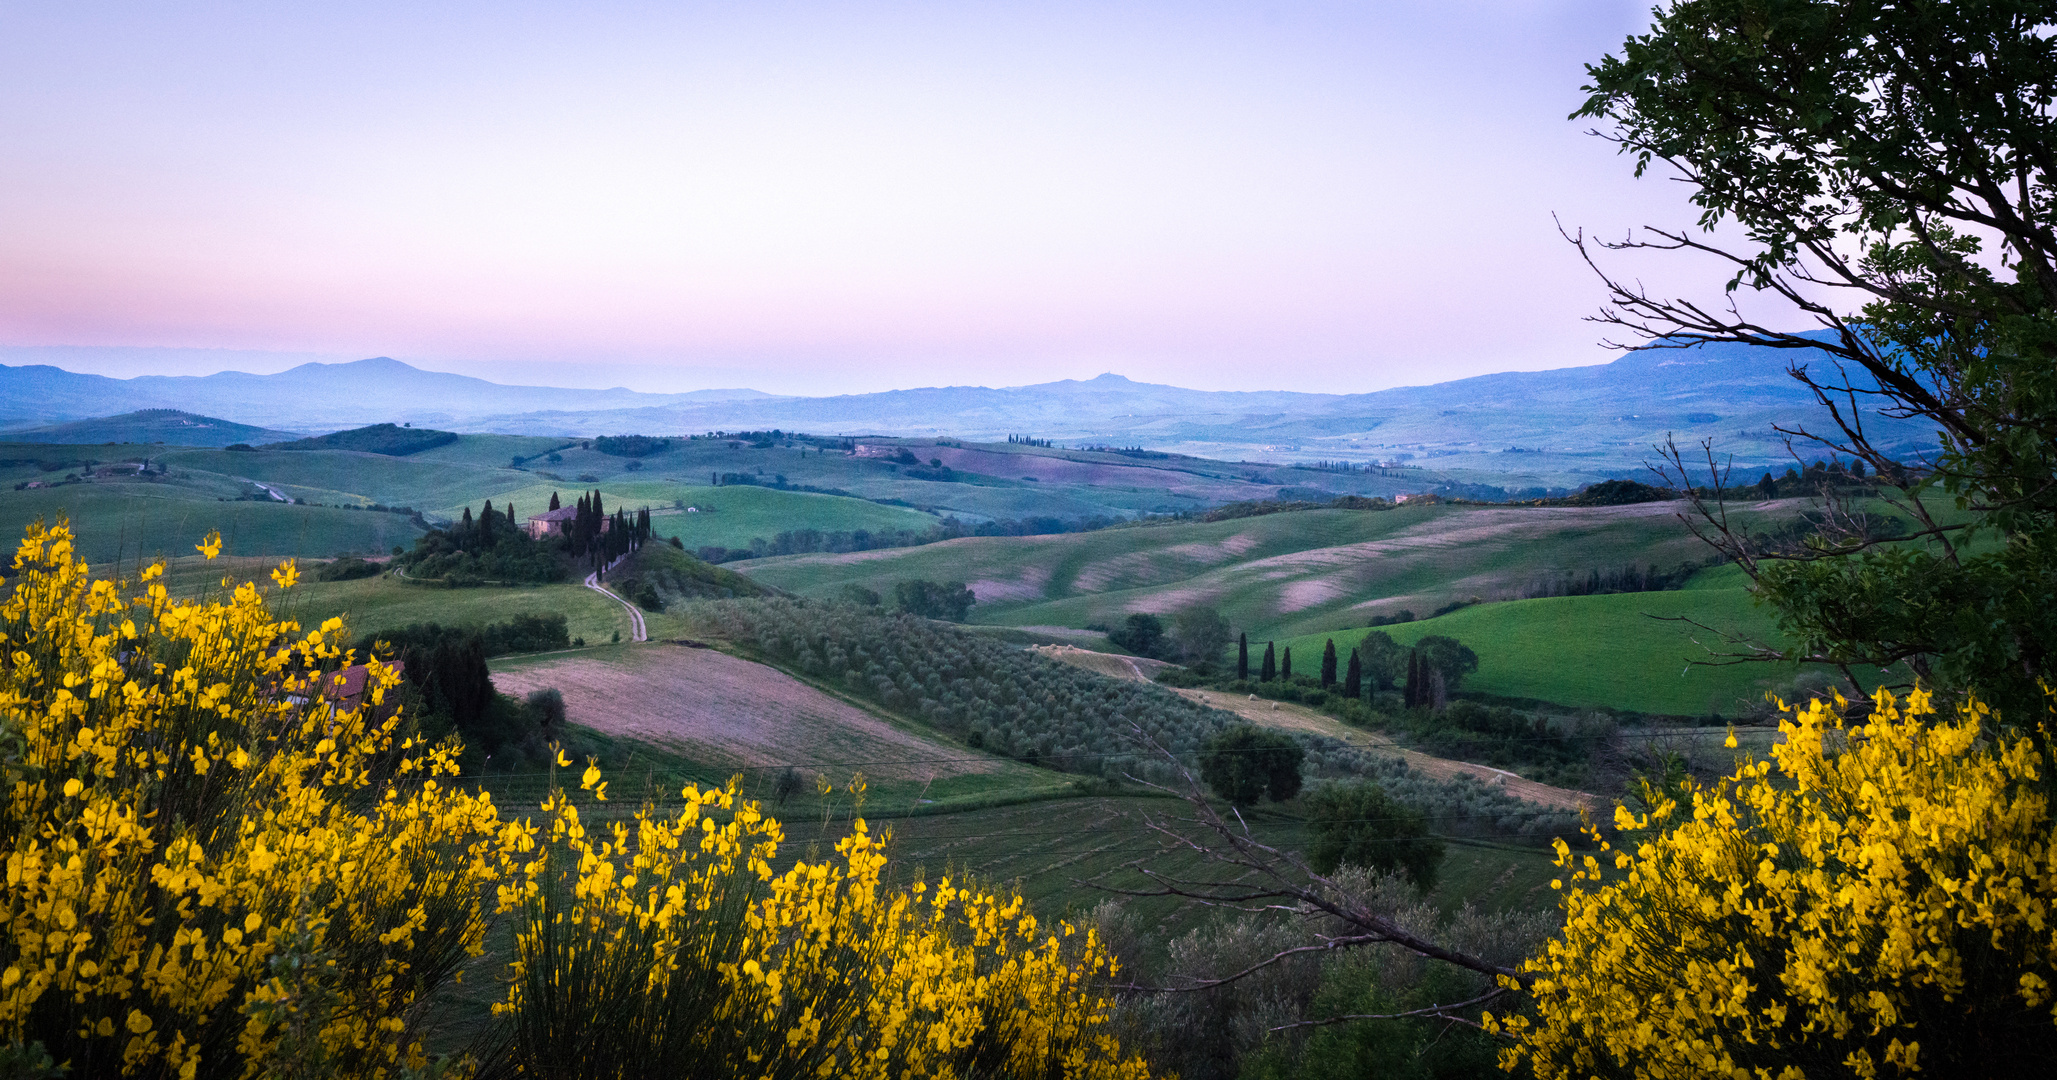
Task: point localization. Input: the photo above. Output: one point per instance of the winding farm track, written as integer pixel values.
(635, 617)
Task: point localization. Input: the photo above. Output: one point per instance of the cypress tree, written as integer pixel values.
(1413, 688)
(1269, 669)
(1328, 664)
(1285, 663)
(1242, 657)
(1353, 679)
(553, 502)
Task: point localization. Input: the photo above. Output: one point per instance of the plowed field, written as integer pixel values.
(732, 713)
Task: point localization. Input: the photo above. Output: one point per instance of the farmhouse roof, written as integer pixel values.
(562, 514)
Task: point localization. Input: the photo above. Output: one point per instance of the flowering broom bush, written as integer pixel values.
(216, 869)
(1885, 904)
(669, 947)
(205, 875)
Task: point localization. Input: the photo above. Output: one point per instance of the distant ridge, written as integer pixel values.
(146, 426)
(312, 396)
(391, 440)
(1583, 422)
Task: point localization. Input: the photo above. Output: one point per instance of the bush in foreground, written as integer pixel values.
(1884, 906)
(216, 869)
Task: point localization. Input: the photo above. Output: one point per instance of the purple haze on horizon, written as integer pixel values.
(814, 198)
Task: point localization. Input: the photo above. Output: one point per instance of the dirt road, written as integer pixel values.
(636, 627)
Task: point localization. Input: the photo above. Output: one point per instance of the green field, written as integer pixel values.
(986, 480)
(426, 485)
(1589, 651)
(727, 516)
(379, 603)
(120, 513)
(1274, 576)
(127, 520)
(1624, 650)
(369, 605)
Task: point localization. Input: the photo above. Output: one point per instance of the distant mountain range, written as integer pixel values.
(311, 397)
(1584, 421)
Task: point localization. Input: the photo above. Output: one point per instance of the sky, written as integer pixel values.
(812, 198)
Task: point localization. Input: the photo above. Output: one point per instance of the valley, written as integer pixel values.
(777, 610)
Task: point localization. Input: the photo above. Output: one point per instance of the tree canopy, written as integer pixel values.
(1885, 168)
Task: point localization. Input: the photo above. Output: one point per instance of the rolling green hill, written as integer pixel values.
(1625, 650)
(341, 475)
(370, 605)
(389, 439)
(1588, 651)
(130, 520)
(147, 427)
(982, 481)
(1275, 576)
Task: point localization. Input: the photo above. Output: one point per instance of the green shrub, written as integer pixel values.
(949, 601)
(1356, 823)
(348, 568)
(1245, 763)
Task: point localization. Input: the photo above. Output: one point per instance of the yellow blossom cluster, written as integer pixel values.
(1885, 902)
(210, 865)
(217, 868)
(670, 946)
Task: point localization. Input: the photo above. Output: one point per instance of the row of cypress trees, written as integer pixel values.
(1420, 686)
(1272, 666)
(597, 536)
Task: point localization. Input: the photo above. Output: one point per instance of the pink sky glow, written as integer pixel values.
(812, 197)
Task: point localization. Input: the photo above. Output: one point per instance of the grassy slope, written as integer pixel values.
(1069, 484)
(730, 516)
(149, 427)
(379, 603)
(424, 485)
(125, 520)
(1622, 650)
(493, 451)
(1586, 651)
(369, 605)
(1276, 576)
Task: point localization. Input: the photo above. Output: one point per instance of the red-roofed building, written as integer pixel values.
(556, 523)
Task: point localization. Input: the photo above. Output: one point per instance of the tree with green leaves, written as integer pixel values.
(1385, 660)
(1353, 677)
(1887, 169)
(1268, 670)
(1200, 634)
(1141, 633)
(1246, 763)
(1328, 664)
(1285, 663)
(1446, 657)
(1242, 657)
(1359, 824)
(949, 601)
